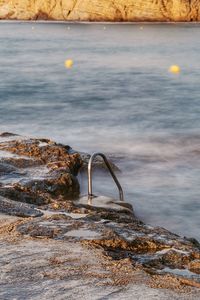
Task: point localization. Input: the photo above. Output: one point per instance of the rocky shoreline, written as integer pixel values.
(101, 11)
(54, 245)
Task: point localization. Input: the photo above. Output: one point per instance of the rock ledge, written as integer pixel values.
(93, 245)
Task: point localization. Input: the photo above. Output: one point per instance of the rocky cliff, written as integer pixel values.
(101, 10)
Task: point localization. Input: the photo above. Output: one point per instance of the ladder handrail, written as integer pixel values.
(90, 194)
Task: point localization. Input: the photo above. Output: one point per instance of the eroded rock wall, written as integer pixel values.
(101, 10)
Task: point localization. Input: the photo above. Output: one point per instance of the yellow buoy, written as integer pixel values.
(69, 63)
(174, 69)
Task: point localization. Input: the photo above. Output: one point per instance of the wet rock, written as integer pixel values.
(49, 182)
(58, 184)
(194, 242)
(154, 250)
(98, 163)
(105, 203)
(20, 162)
(7, 134)
(21, 194)
(54, 226)
(36, 230)
(45, 150)
(6, 169)
(21, 210)
(194, 266)
(37, 171)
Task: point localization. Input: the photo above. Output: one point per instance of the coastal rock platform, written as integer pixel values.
(56, 246)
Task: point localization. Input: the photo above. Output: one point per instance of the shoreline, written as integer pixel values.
(95, 245)
(190, 23)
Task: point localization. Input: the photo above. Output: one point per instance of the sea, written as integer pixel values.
(118, 98)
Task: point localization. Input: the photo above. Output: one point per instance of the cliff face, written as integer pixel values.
(101, 10)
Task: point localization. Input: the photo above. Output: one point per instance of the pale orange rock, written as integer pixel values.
(101, 10)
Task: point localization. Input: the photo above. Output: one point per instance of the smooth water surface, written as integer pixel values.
(118, 98)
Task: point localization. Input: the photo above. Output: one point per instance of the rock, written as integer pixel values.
(106, 203)
(7, 134)
(15, 209)
(48, 189)
(40, 171)
(37, 171)
(47, 152)
(6, 169)
(156, 251)
(105, 10)
(98, 163)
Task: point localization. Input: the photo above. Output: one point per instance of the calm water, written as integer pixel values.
(118, 98)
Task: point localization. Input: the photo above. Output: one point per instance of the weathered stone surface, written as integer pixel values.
(13, 208)
(103, 202)
(154, 251)
(54, 155)
(104, 241)
(51, 269)
(6, 169)
(37, 171)
(104, 10)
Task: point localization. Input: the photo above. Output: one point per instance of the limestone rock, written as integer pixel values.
(36, 172)
(103, 10)
(15, 209)
(115, 248)
(155, 251)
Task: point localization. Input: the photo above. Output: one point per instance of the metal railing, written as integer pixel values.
(90, 193)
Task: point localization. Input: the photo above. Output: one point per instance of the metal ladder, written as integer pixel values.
(90, 193)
